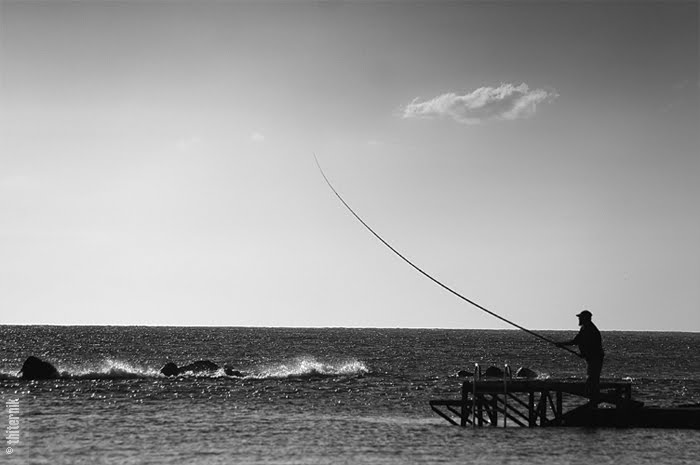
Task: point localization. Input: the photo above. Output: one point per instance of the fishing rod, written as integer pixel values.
(424, 273)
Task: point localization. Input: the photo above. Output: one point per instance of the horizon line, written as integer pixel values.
(130, 325)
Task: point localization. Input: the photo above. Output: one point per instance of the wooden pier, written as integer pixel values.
(546, 402)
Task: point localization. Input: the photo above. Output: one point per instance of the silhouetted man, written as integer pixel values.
(590, 344)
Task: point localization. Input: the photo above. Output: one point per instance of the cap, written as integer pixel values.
(585, 314)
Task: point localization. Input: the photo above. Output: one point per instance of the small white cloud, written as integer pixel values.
(505, 102)
(257, 137)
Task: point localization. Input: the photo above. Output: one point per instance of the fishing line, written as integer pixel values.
(424, 273)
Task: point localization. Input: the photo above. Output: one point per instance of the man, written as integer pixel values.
(590, 344)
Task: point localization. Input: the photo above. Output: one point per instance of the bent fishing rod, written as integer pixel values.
(430, 277)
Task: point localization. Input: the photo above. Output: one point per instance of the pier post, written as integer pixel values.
(480, 409)
(477, 376)
(542, 408)
(506, 375)
(464, 413)
(558, 414)
(494, 410)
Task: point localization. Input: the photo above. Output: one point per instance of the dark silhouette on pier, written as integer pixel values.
(590, 344)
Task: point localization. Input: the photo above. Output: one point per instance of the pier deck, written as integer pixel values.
(542, 403)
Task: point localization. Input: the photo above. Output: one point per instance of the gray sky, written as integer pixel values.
(156, 163)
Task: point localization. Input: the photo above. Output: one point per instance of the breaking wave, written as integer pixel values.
(110, 369)
(311, 368)
(302, 368)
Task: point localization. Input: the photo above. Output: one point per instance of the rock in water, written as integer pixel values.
(493, 372)
(170, 369)
(200, 366)
(525, 373)
(35, 368)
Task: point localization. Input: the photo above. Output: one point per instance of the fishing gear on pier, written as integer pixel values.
(424, 273)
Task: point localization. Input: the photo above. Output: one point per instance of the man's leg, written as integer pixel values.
(595, 366)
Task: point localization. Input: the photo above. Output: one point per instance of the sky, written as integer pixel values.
(541, 158)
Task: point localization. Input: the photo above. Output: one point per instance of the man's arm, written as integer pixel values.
(572, 342)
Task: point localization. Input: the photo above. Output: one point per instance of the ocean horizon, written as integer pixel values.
(319, 395)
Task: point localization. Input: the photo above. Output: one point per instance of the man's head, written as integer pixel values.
(584, 316)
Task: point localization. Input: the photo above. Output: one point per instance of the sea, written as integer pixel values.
(318, 396)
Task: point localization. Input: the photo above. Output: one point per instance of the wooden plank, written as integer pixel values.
(515, 410)
(517, 399)
(457, 414)
(551, 403)
(560, 408)
(465, 405)
(443, 415)
(480, 409)
(505, 409)
(542, 408)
